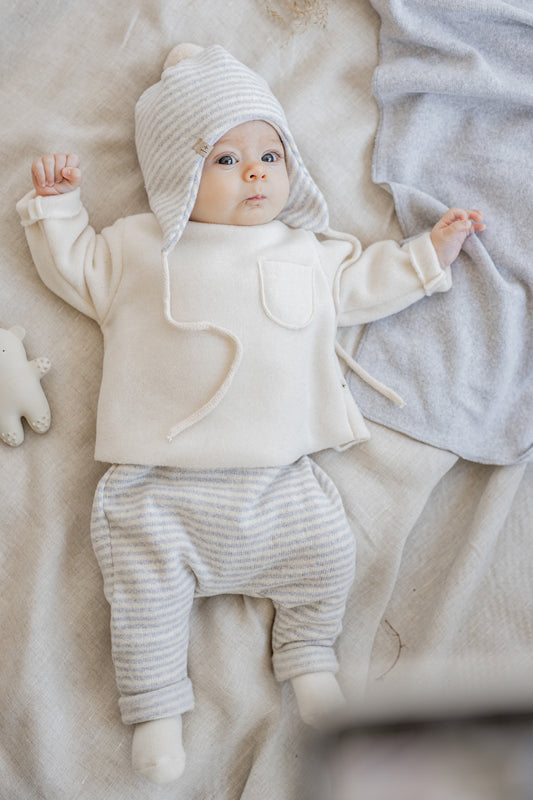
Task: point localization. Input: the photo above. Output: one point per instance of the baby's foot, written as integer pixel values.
(318, 696)
(157, 750)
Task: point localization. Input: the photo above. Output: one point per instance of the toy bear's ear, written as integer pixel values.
(19, 331)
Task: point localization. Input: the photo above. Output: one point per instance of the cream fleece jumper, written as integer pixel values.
(255, 309)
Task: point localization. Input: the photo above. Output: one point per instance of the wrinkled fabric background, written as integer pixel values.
(443, 578)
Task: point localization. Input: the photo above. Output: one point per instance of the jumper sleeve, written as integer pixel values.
(386, 278)
(79, 265)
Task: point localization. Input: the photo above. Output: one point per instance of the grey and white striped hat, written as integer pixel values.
(201, 95)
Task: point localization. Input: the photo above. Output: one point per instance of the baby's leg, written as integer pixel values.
(150, 591)
(310, 598)
(302, 641)
(157, 751)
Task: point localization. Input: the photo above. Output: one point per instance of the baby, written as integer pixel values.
(221, 376)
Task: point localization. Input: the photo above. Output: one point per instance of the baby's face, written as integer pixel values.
(244, 179)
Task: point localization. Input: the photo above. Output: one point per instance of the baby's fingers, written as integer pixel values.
(53, 164)
(38, 173)
(476, 217)
(43, 172)
(471, 217)
(73, 160)
(56, 173)
(71, 176)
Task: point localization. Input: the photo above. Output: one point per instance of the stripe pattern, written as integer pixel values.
(164, 535)
(201, 98)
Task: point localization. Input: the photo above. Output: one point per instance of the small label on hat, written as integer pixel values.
(202, 148)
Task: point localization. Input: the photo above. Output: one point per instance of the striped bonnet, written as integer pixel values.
(201, 95)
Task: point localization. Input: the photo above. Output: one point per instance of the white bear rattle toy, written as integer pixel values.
(21, 393)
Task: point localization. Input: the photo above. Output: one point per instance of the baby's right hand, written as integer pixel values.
(56, 174)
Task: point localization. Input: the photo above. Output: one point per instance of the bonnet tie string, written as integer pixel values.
(390, 394)
(367, 378)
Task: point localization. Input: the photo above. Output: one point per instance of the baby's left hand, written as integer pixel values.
(452, 229)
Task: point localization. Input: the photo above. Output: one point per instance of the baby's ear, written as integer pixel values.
(180, 52)
(19, 331)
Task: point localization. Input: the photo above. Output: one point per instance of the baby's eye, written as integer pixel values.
(227, 161)
(270, 157)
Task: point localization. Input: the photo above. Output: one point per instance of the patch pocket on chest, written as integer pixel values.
(287, 292)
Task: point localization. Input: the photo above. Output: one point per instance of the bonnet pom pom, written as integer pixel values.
(181, 52)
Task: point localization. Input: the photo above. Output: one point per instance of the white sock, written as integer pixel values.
(318, 695)
(157, 750)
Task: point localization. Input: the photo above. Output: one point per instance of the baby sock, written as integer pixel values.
(318, 695)
(157, 750)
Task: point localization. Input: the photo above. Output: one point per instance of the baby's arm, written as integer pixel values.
(56, 173)
(450, 232)
(386, 277)
(82, 267)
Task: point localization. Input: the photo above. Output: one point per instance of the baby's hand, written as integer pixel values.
(56, 174)
(452, 229)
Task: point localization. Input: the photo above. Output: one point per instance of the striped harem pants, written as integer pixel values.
(163, 535)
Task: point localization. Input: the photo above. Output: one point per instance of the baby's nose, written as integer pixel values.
(255, 171)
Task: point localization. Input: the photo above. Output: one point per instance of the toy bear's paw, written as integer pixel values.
(42, 424)
(43, 365)
(12, 439)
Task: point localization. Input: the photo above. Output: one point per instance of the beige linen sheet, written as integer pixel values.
(443, 581)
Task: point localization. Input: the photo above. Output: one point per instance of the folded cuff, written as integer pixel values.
(427, 266)
(301, 659)
(169, 701)
(32, 207)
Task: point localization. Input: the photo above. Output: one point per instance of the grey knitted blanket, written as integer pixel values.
(454, 86)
